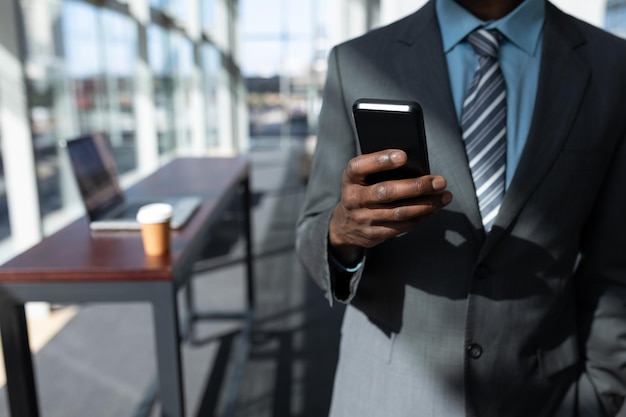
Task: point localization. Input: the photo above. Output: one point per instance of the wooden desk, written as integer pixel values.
(77, 265)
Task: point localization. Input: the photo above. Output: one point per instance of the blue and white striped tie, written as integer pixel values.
(483, 123)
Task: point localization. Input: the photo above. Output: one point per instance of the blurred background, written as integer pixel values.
(169, 78)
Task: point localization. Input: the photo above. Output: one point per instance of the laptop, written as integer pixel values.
(106, 205)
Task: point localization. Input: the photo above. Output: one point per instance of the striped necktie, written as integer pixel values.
(483, 123)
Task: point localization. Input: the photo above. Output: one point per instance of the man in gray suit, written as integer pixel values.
(447, 317)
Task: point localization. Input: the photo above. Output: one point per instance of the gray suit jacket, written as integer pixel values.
(526, 322)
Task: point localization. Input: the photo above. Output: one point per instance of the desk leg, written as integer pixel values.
(18, 361)
(165, 312)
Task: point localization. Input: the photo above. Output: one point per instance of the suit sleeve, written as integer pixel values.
(601, 288)
(336, 145)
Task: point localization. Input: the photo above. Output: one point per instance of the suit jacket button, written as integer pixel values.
(474, 350)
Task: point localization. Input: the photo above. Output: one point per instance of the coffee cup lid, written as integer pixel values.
(155, 213)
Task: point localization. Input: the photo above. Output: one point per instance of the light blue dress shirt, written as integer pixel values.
(520, 58)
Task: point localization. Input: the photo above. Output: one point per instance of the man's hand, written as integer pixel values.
(367, 215)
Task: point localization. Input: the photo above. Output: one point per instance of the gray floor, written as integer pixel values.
(102, 363)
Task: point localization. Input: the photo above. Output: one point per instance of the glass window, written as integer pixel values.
(101, 53)
(120, 59)
(178, 9)
(80, 71)
(211, 66)
(283, 54)
(81, 68)
(208, 13)
(159, 4)
(158, 58)
(261, 57)
(616, 17)
(263, 17)
(182, 59)
(299, 18)
(51, 107)
(85, 64)
(214, 20)
(101, 50)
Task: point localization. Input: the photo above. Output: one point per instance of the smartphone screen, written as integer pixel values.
(392, 124)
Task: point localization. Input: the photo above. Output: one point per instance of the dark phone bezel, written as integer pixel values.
(392, 124)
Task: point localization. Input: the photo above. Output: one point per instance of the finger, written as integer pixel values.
(393, 191)
(408, 210)
(359, 167)
(407, 213)
(376, 234)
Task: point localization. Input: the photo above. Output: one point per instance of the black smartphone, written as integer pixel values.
(392, 124)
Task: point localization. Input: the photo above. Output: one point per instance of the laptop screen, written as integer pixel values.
(96, 174)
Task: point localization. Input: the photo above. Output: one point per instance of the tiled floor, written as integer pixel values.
(102, 361)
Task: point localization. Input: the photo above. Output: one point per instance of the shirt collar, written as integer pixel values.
(522, 26)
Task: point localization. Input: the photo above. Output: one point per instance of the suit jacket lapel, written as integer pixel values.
(562, 83)
(424, 75)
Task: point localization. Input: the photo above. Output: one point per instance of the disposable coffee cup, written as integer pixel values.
(155, 228)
